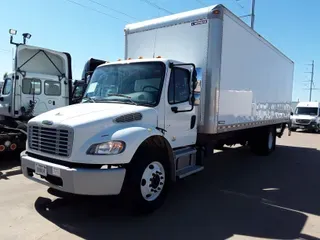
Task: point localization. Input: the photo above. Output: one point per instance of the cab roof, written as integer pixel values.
(308, 104)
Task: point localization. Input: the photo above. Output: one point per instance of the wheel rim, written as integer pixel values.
(270, 140)
(152, 181)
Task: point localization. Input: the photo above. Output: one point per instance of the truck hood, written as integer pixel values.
(45, 61)
(82, 114)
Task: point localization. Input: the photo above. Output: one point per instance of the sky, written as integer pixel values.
(94, 28)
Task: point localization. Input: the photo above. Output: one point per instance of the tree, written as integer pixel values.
(5, 75)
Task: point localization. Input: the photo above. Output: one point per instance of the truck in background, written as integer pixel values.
(189, 82)
(80, 86)
(40, 81)
(1, 84)
(306, 116)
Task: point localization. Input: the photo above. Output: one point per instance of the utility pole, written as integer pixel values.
(252, 14)
(311, 81)
(312, 85)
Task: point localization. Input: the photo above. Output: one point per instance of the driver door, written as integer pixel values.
(181, 126)
(6, 97)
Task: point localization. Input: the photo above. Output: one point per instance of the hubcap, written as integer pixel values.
(270, 140)
(152, 181)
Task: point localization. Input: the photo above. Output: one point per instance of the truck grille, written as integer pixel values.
(302, 121)
(56, 141)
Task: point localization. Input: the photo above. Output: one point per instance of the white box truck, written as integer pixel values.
(190, 82)
(306, 116)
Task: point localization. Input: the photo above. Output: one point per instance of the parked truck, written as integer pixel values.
(41, 81)
(189, 82)
(306, 116)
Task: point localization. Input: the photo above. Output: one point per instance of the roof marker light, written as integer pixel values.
(140, 57)
(216, 11)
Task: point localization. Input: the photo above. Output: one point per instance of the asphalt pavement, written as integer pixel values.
(237, 196)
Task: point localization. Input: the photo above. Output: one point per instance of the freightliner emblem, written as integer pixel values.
(47, 122)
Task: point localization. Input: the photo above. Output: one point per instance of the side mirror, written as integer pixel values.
(291, 113)
(1, 99)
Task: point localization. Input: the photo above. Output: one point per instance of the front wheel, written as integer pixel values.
(146, 183)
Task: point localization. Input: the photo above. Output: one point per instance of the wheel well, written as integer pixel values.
(159, 145)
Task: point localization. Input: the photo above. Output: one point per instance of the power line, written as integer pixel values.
(92, 9)
(202, 3)
(238, 2)
(157, 6)
(5, 50)
(112, 9)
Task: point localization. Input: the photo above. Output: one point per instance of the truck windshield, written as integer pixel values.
(307, 111)
(134, 83)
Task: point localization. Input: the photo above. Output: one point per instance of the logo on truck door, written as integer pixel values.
(199, 22)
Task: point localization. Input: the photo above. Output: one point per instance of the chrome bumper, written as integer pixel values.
(75, 180)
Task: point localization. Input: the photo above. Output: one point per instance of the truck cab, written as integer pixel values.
(80, 86)
(40, 82)
(306, 116)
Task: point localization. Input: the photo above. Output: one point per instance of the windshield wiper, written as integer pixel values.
(122, 95)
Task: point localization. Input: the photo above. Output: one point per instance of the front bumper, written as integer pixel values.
(310, 126)
(74, 180)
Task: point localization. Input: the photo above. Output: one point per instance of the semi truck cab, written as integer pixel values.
(306, 116)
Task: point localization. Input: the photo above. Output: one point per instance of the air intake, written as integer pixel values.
(128, 118)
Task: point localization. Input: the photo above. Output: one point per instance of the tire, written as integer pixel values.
(264, 141)
(147, 181)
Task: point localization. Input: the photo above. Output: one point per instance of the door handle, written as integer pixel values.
(193, 121)
(54, 103)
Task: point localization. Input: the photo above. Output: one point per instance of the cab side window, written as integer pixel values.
(179, 86)
(7, 86)
(31, 86)
(52, 88)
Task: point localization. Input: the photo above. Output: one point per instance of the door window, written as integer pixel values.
(31, 86)
(52, 88)
(7, 86)
(78, 91)
(179, 86)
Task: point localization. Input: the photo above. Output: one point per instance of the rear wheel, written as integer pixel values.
(264, 141)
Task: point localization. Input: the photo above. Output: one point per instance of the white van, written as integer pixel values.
(306, 116)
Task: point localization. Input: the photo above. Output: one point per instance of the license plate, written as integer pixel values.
(302, 126)
(41, 169)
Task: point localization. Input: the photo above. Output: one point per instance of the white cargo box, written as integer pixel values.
(246, 81)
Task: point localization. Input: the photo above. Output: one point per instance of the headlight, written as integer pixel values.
(107, 148)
